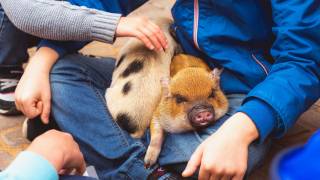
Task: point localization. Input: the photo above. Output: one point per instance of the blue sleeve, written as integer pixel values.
(61, 47)
(27, 166)
(293, 84)
(263, 116)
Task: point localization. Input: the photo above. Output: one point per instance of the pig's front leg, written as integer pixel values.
(154, 148)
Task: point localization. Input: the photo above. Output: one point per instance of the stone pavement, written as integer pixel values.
(11, 140)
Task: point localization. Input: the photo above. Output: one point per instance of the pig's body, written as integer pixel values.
(135, 90)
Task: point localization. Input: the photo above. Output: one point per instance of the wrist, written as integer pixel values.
(55, 158)
(242, 127)
(43, 60)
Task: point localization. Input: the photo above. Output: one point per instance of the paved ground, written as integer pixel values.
(11, 141)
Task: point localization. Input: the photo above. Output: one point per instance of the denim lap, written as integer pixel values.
(79, 107)
(78, 85)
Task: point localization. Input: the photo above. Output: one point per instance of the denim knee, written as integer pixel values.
(13, 42)
(78, 67)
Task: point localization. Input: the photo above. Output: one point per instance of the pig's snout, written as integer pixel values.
(201, 115)
(204, 116)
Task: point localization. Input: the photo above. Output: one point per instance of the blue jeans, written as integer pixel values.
(13, 43)
(78, 86)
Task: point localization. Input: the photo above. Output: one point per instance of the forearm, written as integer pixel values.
(29, 165)
(59, 20)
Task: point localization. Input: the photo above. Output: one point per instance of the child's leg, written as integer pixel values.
(13, 52)
(78, 86)
(178, 148)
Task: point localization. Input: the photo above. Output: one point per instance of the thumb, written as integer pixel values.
(39, 107)
(77, 162)
(194, 162)
(46, 110)
(81, 168)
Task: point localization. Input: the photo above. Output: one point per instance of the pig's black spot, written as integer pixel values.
(126, 123)
(126, 88)
(133, 67)
(120, 60)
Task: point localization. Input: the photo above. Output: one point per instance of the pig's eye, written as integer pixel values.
(180, 99)
(212, 94)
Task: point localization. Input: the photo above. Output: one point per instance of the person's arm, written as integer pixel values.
(59, 20)
(28, 165)
(293, 84)
(142, 28)
(47, 156)
(62, 21)
(33, 93)
(291, 87)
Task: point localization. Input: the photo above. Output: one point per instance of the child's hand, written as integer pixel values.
(33, 93)
(224, 154)
(145, 30)
(60, 150)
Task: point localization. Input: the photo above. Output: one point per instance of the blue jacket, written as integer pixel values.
(270, 50)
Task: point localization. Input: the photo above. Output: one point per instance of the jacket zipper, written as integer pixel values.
(196, 23)
(195, 35)
(263, 67)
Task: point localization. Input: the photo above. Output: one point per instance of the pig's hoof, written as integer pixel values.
(137, 134)
(151, 156)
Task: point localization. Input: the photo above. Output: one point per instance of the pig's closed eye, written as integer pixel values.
(180, 99)
(212, 94)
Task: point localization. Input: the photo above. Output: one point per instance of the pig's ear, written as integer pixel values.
(216, 72)
(165, 83)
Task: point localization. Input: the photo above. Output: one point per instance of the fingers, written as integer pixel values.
(204, 173)
(238, 176)
(221, 174)
(46, 109)
(145, 40)
(30, 108)
(76, 160)
(152, 37)
(81, 168)
(143, 29)
(66, 171)
(193, 163)
(160, 35)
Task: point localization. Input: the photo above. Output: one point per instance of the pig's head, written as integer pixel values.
(191, 100)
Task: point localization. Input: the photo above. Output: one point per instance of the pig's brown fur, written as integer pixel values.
(192, 79)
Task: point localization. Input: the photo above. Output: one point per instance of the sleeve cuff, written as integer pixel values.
(105, 26)
(29, 165)
(263, 116)
(46, 43)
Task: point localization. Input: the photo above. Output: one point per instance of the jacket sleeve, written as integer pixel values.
(60, 20)
(29, 165)
(293, 83)
(63, 48)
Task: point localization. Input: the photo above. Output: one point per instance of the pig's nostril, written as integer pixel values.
(203, 116)
(209, 115)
